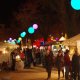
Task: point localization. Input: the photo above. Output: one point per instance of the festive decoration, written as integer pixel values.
(35, 26)
(75, 4)
(31, 30)
(23, 34)
(10, 39)
(13, 42)
(57, 39)
(5, 41)
(20, 38)
(18, 41)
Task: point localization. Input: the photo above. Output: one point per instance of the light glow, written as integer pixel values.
(75, 4)
(35, 26)
(23, 34)
(31, 30)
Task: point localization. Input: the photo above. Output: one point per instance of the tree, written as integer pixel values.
(51, 16)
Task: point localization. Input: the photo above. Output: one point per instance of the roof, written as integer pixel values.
(72, 41)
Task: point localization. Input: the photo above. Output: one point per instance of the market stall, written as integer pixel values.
(5, 50)
(72, 43)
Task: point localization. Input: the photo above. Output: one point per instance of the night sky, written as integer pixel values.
(7, 7)
(53, 17)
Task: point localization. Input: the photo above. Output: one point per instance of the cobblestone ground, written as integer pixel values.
(34, 73)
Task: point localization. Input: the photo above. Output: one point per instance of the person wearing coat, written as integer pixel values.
(67, 64)
(75, 64)
(60, 63)
(48, 63)
(13, 59)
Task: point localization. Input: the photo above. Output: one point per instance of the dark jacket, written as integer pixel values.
(67, 60)
(75, 63)
(49, 60)
(59, 61)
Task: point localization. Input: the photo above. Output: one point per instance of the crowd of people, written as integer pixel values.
(69, 68)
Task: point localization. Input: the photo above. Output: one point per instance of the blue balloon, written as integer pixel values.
(23, 34)
(18, 41)
(31, 30)
(75, 4)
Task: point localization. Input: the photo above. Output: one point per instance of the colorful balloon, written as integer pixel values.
(35, 26)
(75, 4)
(31, 30)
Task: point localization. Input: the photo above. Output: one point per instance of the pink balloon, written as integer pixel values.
(35, 26)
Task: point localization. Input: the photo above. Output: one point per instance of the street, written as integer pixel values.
(34, 73)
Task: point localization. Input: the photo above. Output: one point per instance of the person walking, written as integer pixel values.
(22, 55)
(29, 57)
(60, 63)
(13, 59)
(48, 63)
(75, 65)
(67, 65)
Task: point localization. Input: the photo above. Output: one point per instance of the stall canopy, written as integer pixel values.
(9, 46)
(5, 50)
(62, 39)
(5, 44)
(72, 41)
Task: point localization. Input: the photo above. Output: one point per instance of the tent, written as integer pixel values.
(5, 44)
(5, 50)
(62, 39)
(72, 41)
